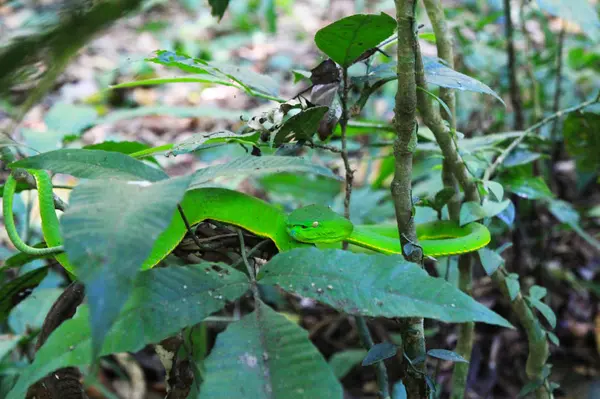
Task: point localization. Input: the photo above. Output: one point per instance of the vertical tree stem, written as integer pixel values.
(401, 188)
(515, 93)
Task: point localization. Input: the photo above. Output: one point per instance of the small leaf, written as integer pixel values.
(553, 338)
(495, 188)
(508, 214)
(342, 362)
(563, 211)
(471, 212)
(348, 38)
(529, 388)
(399, 391)
(7, 343)
(372, 285)
(531, 187)
(442, 197)
(545, 310)
(218, 8)
(512, 285)
(537, 292)
(490, 260)
(16, 290)
(250, 166)
(264, 355)
(121, 225)
(493, 208)
(446, 355)
(92, 164)
(380, 352)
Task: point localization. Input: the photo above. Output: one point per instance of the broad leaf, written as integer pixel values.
(495, 188)
(199, 140)
(580, 12)
(342, 362)
(530, 187)
(493, 208)
(109, 230)
(30, 314)
(512, 285)
(182, 295)
(348, 38)
(446, 355)
(251, 165)
(16, 290)
(92, 164)
(520, 157)
(177, 112)
(264, 355)
(372, 285)
(380, 352)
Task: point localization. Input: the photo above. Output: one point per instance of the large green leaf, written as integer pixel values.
(251, 165)
(580, 12)
(178, 112)
(582, 139)
(530, 187)
(109, 230)
(264, 355)
(373, 285)
(301, 126)
(92, 164)
(163, 301)
(346, 39)
(16, 290)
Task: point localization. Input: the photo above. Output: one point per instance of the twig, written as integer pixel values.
(367, 341)
(188, 227)
(251, 270)
(344, 153)
(490, 171)
(324, 147)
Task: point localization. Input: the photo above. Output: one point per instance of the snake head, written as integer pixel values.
(317, 223)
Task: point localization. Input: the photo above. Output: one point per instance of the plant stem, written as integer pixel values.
(405, 143)
(556, 143)
(367, 341)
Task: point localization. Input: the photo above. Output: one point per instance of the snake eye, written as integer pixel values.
(315, 224)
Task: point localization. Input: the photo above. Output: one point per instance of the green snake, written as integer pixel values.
(309, 225)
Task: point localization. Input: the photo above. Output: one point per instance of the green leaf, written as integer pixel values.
(563, 211)
(200, 140)
(109, 230)
(512, 285)
(553, 338)
(380, 352)
(251, 82)
(537, 292)
(303, 189)
(490, 260)
(30, 314)
(92, 164)
(218, 8)
(495, 188)
(69, 118)
(446, 355)
(493, 208)
(520, 157)
(342, 362)
(544, 309)
(474, 144)
(251, 165)
(470, 212)
(177, 112)
(15, 290)
(21, 258)
(301, 126)
(508, 215)
(399, 391)
(264, 355)
(530, 187)
(372, 285)
(124, 147)
(346, 39)
(176, 79)
(529, 388)
(580, 12)
(182, 295)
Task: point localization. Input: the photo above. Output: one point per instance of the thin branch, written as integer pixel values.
(324, 147)
(502, 157)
